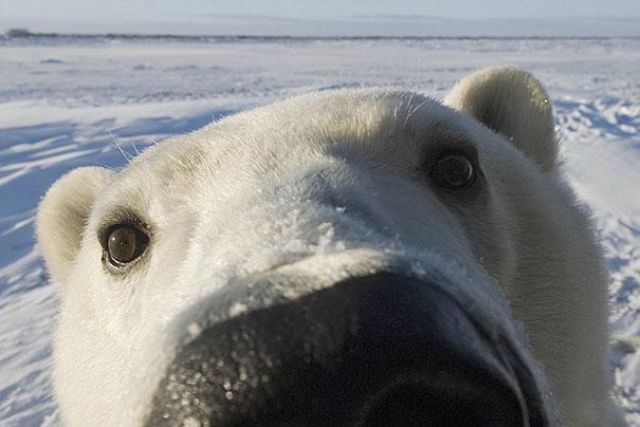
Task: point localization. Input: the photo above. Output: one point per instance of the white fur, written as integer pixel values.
(514, 104)
(250, 193)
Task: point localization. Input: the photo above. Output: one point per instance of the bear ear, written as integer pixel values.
(62, 217)
(513, 103)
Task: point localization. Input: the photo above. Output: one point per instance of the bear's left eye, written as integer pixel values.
(124, 244)
(454, 170)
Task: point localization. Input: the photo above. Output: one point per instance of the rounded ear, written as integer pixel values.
(62, 216)
(513, 103)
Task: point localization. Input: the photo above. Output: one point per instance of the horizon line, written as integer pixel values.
(23, 33)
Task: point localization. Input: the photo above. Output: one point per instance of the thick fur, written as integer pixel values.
(275, 187)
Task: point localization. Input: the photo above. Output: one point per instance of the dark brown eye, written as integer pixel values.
(453, 171)
(125, 243)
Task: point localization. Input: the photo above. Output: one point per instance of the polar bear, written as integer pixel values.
(350, 257)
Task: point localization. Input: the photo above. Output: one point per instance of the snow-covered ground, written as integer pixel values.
(71, 102)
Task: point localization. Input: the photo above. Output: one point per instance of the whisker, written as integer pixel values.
(124, 153)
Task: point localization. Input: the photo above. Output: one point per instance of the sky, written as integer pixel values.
(327, 17)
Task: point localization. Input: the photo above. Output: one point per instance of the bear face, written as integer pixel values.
(204, 281)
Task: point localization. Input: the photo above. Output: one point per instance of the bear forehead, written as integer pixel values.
(375, 123)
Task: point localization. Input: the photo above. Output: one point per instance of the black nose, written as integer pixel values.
(377, 350)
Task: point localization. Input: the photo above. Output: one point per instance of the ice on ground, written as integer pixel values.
(66, 103)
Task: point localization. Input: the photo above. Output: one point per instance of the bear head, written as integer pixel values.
(342, 257)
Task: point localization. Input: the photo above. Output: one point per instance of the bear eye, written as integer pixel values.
(124, 244)
(453, 170)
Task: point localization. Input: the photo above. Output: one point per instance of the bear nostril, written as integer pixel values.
(453, 403)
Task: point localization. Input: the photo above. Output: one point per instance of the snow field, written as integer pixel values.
(72, 102)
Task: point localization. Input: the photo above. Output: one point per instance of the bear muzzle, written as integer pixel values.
(381, 349)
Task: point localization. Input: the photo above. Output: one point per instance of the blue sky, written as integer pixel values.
(327, 17)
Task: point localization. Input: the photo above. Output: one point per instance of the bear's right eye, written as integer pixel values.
(124, 244)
